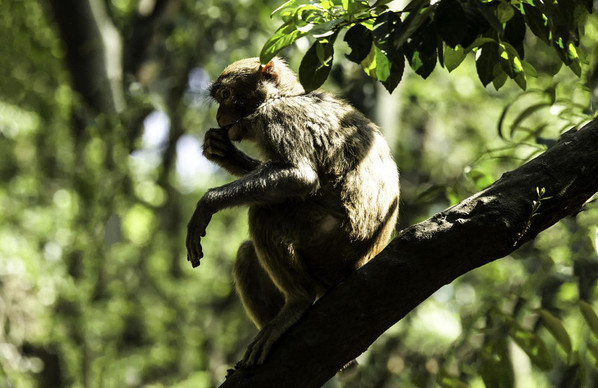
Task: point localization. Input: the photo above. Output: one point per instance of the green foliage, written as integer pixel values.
(424, 32)
(94, 286)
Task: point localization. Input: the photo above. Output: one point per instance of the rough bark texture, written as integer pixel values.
(426, 256)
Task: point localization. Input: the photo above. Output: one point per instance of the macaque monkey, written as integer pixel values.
(323, 201)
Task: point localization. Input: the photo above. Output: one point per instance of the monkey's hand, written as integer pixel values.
(218, 148)
(196, 229)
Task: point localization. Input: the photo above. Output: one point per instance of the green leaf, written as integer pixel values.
(421, 50)
(504, 12)
(451, 22)
(316, 65)
(487, 14)
(575, 62)
(529, 69)
(527, 112)
(323, 30)
(445, 380)
(520, 80)
(556, 328)
(497, 369)
(453, 57)
(511, 64)
(359, 39)
(413, 22)
(382, 66)
(589, 315)
(479, 42)
(369, 62)
(358, 10)
(376, 64)
(379, 3)
(309, 14)
(430, 194)
(397, 67)
(285, 9)
(480, 178)
(515, 32)
(485, 62)
(532, 345)
(537, 22)
(286, 35)
(500, 77)
(385, 29)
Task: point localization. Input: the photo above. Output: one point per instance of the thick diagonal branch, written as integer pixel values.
(424, 257)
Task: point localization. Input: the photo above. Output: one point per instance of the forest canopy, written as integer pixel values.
(103, 109)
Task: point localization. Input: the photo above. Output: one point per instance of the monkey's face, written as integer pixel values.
(238, 95)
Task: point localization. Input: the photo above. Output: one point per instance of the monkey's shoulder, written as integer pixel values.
(317, 109)
(308, 104)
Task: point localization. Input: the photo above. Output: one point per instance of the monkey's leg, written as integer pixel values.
(284, 266)
(259, 295)
(260, 347)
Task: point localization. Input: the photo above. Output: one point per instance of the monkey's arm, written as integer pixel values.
(271, 183)
(219, 149)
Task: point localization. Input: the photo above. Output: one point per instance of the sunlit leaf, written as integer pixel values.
(286, 35)
(589, 315)
(285, 8)
(556, 328)
(323, 30)
(397, 67)
(504, 12)
(453, 57)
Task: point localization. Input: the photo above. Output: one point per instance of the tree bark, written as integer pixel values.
(426, 256)
(93, 52)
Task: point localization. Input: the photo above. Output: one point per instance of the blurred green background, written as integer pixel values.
(95, 290)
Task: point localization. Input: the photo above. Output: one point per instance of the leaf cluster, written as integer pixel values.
(426, 33)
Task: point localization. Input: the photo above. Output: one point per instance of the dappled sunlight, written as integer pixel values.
(96, 190)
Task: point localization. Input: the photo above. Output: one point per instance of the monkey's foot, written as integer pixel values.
(260, 347)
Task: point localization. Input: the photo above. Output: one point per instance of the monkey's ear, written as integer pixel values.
(269, 71)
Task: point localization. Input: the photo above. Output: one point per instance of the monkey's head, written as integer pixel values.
(245, 85)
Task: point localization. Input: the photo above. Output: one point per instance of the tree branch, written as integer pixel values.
(426, 256)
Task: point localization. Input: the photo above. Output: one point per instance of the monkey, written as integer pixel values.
(323, 197)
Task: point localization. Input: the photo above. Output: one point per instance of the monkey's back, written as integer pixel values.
(356, 202)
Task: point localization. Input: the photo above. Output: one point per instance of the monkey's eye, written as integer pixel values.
(225, 94)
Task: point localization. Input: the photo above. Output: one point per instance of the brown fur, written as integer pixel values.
(322, 203)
